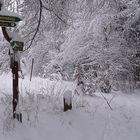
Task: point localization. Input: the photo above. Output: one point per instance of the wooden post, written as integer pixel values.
(67, 100)
(15, 87)
(16, 115)
(31, 69)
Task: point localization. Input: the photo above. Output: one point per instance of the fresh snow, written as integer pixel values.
(43, 118)
(14, 35)
(5, 12)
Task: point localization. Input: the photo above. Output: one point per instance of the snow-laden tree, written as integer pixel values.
(98, 37)
(40, 16)
(103, 46)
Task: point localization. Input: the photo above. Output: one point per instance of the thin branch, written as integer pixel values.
(50, 10)
(108, 102)
(39, 22)
(112, 99)
(28, 35)
(37, 29)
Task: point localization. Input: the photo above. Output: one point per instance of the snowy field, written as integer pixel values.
(43, 117)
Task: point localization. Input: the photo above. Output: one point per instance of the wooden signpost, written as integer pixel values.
(16, 46)
(6, 18)
(7, 24)
(8, 21)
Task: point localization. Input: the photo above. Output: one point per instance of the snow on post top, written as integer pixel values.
(5, 12)
(67, 94)
(16, 37)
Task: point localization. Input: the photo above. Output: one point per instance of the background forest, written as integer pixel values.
(81, 50)
(93, 42)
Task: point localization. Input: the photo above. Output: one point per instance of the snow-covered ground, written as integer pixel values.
(91, 118)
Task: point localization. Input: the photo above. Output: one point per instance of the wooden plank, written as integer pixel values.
(7, 24)
(9, 18)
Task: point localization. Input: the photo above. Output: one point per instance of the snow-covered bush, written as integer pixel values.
(7, 116)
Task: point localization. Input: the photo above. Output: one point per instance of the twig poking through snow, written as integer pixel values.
(108, 102)
(112, 99)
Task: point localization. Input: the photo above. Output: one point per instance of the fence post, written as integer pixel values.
(32, 69)
(67, 100)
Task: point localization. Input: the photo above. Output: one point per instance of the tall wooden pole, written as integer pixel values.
(15, 88)
(15, 68)
(15, 75)
(32, 69)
